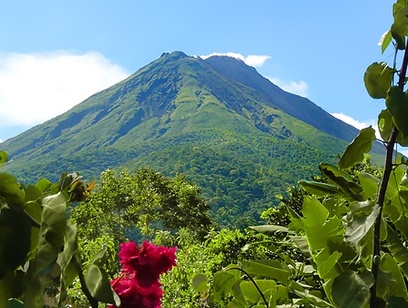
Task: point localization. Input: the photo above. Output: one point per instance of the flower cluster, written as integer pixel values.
(139, 285)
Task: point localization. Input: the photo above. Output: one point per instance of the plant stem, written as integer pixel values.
(253, 282)
(383, 188)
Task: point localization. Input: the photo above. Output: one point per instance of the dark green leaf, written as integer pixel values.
(200, 283)
(352, 289)
(15, 237)
(357, 148)
(239, 299)
(377, 79)
(32, 208)
(369, 183)
(361, 222)
(399, 29)
(43, 184)
(397, 104)
(32, 193)
(319, 189)
(343, 180)
(98, 283)
(392, 284)
(14, 303)
(69, 260)
(252, 294)
(385, 124)
(267, 268)
(223, 283)
(11, 190)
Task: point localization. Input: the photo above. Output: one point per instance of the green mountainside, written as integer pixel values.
(218, 121)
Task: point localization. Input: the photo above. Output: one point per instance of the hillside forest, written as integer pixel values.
(139, 238)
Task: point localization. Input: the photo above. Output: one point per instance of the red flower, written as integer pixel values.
(139, 285)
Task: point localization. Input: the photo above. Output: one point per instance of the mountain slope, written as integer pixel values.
(217, 120)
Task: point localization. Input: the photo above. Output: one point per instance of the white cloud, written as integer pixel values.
(357, 124)
(349, 120)
(251, 60)
(37, 87)
(295, 87)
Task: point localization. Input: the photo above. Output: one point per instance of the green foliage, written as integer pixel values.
(39, 256)
(144, 199)
(352, 226)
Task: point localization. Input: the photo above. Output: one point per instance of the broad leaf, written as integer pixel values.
(252, 294)
(396, 286)
(314, 217)
(361, 222)
(267, 268)
(352, 289)
(397, 104)
(11, 190)
(200, 283)
(399, 29)
(69, 260)
(223, 283)
(98, 283)
(357, 148)
(369, 183)
(319, 189)
(377, 79)
(343, 180)
(15, 237)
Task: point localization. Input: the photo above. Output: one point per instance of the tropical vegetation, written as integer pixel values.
(338, 239)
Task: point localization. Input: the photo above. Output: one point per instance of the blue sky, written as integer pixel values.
(55, 54)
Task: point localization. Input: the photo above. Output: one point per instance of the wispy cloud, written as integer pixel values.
(357, 124)
(251, 60)
(37, 87)
(295, 87)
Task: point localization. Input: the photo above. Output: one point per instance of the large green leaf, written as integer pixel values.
(11, 190)
(392, 284)
(369, 183)
(361, 220)
(377, 79)
(352, 289)
(326, 263)
(53, 223)
(315, 218)
(252, 294)
(15, 238)
(319, 189)
(399, 29)
(200, 283)
(223, 282)
(397, 104)
(68, 260)
(355, 151)
(343, 180)
(397, 250)
(98, 283)
(267, 268)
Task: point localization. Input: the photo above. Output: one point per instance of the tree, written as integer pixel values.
(146, 200)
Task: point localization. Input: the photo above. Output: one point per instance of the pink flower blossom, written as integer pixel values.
(139, 285)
